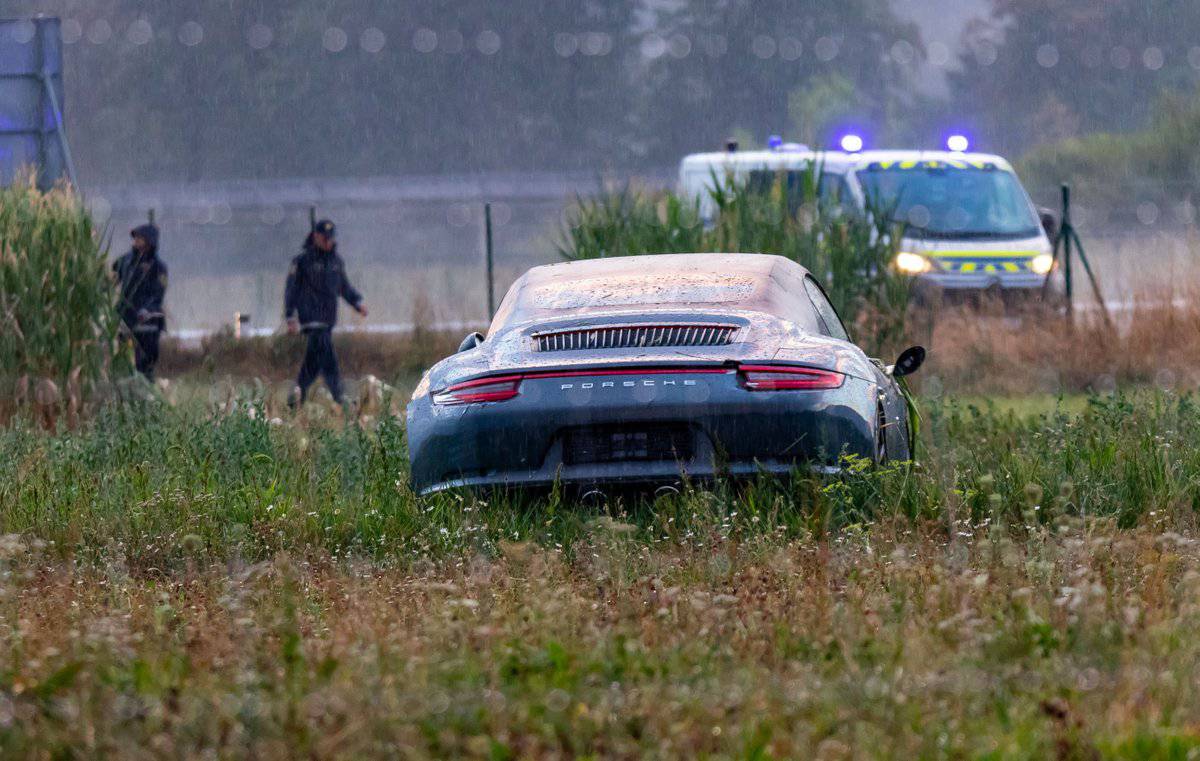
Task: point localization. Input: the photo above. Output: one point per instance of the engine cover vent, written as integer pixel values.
(634, 337)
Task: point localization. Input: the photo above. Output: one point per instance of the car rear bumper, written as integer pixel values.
(660, 429)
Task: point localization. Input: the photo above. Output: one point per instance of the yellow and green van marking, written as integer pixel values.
(942, 164)
(987, 261)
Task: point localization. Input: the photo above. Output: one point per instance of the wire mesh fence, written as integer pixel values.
(415, 245)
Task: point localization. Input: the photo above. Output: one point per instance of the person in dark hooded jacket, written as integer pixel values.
(315, 282)
(142, 277)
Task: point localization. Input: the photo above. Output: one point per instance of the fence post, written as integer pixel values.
(1065, 230)
(260, 296)
(491, 280)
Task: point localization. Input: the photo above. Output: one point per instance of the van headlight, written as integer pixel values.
(1042, 264)
(912, 264)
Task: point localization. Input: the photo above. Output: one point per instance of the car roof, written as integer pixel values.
(836, 161)
(656, 282)
(866, 158)
(768, 159)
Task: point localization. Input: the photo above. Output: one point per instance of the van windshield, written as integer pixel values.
(937, 200)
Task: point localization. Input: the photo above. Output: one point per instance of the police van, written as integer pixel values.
(969, 225)
(702, 174)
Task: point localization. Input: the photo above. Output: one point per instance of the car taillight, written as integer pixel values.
(781, 378)
(480, 390)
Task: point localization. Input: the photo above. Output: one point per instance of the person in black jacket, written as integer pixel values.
(315, 281)
(142, 277)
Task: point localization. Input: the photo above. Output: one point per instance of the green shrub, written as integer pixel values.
(1115, 171)
(848, 253)
(58, 316)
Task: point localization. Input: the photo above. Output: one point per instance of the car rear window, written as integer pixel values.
(640, 291)
(680, 283)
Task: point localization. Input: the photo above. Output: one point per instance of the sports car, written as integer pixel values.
(651, 371)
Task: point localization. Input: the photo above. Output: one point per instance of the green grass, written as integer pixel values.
(1029, 405)
(208, 580)
(234, 478)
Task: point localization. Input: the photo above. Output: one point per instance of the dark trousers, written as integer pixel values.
(145, 352)
(319, 359)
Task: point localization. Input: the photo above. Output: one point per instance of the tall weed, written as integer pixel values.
(58, 318)
(849, 253)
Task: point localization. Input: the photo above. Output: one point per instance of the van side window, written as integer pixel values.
(833, 191)
(829, 317)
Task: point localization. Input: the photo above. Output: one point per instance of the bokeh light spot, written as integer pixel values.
(140, 32)
(22, 32)
(595, 43)
(1153, 58)
(1047, 56)
(566, 44)
(72, 31)
(763, 46)
(334, 39)
(826, 49)
(488, 42)
(259, 36)
(191, 33)
(653, 46)
(1147, 213)
(372, 40)
(425, 40)
(903, 52)
(99, 32)
(679, 46)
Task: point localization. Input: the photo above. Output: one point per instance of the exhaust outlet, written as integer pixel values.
(593, 498)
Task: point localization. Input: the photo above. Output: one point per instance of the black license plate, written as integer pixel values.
(600, 445)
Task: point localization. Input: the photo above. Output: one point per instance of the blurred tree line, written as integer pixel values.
(247, 88)
(239, 88)
(1036, 71)
(1102, 95)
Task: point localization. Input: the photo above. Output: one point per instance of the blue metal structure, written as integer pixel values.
(31, 106)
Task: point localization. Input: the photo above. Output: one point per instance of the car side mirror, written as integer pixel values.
(909, 362)
(470, 342)
(1049, 223)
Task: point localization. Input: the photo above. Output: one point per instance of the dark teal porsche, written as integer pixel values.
(651, 370)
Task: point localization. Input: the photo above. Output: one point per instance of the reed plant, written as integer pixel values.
(850, 253)
(58, 318)
(628, 221)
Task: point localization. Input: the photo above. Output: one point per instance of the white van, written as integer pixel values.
(700, 174)
(969, 224)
